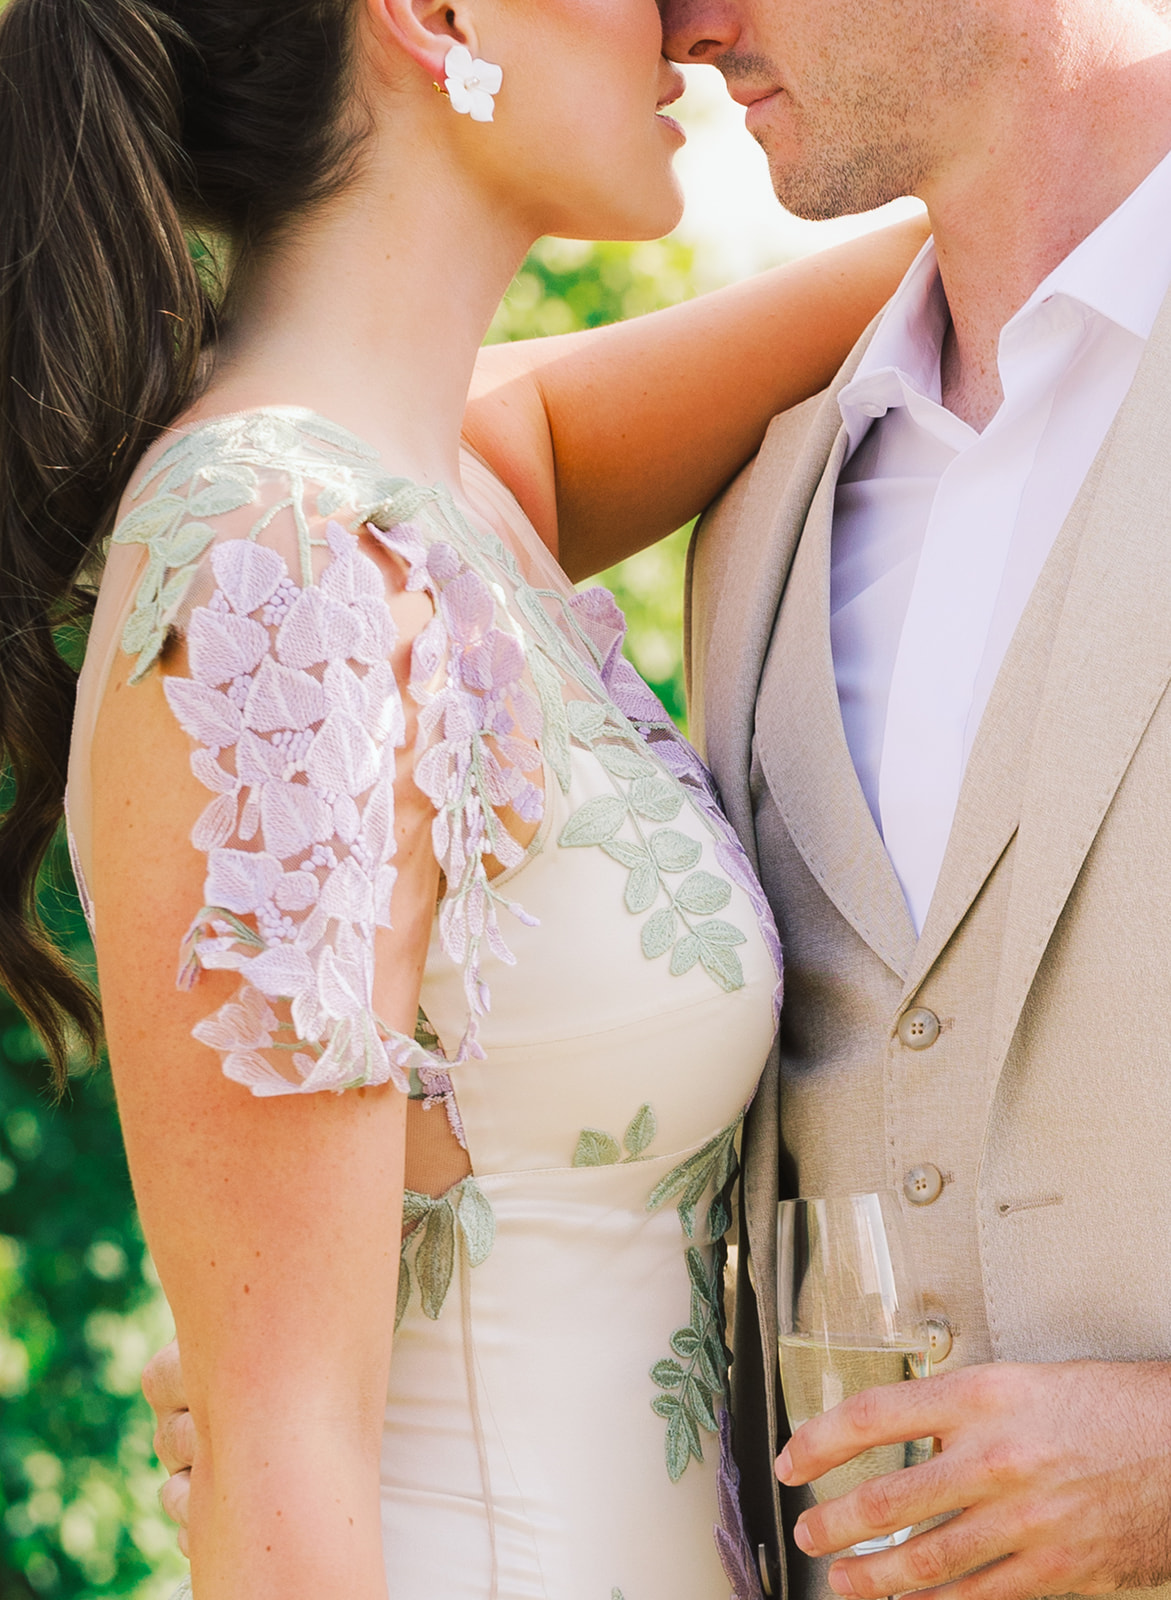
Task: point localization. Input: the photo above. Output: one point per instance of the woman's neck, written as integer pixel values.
(372, 311)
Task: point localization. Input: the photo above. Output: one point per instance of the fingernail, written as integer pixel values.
(784, 1465)
(801, 1538)
(839, 1581)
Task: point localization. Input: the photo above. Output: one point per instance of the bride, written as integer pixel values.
(487, 977)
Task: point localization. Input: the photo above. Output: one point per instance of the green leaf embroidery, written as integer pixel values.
(139, 627)
(703, 893)
(435, 1260)
(219, 498)
(478, 1223)
(555, 733)
(723, 965)
(718, 932)
(642, 888)
(462, 1218)
(594, 822)
(596, 1149)
(627, 854)
(675, 851)
(587, 720)
(329, 501)
(331, 433)
(175, 590)
(657, 799)
(641, 1133)
(188, 543)
(146, 523)
(684, 956)
(694, 1377)
(651, 859)
(404, 1291)
(658, 933)
(620, 761)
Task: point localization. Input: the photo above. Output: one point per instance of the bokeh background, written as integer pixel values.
(80, 1308)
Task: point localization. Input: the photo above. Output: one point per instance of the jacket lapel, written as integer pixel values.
(803, 753)
(737, 567)
(1111, 663)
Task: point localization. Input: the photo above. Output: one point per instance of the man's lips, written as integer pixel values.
(753, 97)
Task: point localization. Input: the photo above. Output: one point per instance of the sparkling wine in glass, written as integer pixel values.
(850, 1317)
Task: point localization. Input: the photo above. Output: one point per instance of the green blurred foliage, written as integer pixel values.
(80, 1309)
(79, 1314)
(566, 285)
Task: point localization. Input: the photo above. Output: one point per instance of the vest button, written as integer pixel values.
(918, 1029)
(939, 1340)
(923, 1185)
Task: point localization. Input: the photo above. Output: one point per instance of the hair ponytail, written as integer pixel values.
(120, 122)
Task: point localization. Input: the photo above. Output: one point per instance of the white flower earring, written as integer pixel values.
(472, 85)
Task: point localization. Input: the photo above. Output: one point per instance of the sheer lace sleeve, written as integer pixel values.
(296, 715)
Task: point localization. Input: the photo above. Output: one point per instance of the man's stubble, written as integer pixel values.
(871, 115)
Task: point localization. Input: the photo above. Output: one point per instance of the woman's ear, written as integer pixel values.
(422, 30)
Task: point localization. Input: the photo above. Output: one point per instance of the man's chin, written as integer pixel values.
(820, 189)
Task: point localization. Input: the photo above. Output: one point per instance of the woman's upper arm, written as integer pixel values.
(257, 832)
(618, 436)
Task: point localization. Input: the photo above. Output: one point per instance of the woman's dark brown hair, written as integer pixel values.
(123, 126)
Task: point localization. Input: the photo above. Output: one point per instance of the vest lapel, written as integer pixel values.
(989, 806)
(802, 749)
(1111, 663)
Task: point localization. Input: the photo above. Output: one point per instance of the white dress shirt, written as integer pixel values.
(940, 532)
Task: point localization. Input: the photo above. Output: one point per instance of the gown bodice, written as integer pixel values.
(598, 998)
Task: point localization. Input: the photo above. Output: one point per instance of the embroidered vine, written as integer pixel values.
(598, 1149)
(694, 1376)
(686, 926)
(463, 1213)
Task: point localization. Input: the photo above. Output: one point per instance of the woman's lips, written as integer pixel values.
(671, 123)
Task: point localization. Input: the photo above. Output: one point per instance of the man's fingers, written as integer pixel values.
(930, 1560)
(895, 1413)
(175, 1440)
(878, 1506)
(162, 1381)
(1017, 1577)
(174, 1496)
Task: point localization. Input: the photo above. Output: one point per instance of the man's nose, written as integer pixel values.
(699, 30)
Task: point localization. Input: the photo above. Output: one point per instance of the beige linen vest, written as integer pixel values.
(1044, 1105)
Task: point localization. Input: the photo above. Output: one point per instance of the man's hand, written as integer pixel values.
(1060, 1475)
(162, 1384)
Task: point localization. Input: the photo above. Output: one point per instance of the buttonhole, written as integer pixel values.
(1007, 1207)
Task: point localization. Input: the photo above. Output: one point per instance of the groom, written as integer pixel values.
(930, 648)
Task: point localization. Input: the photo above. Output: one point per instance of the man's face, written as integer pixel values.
(854, 102)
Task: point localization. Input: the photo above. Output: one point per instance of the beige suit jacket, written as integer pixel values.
(1045, 1103)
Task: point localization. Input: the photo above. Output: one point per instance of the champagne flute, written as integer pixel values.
(850, 1317)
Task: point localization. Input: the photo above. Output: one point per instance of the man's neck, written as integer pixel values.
(1084, 116)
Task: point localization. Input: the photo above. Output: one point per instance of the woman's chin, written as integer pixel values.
(657, 215)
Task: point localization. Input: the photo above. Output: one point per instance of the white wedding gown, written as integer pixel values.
(555, 1424)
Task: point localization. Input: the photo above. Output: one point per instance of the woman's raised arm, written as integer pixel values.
(612, 439)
